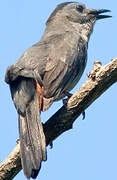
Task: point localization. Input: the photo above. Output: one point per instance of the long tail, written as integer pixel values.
(32, 138)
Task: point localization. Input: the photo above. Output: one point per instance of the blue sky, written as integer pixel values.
(89, 150)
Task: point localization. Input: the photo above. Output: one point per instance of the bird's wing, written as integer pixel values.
(54, 62)
(65, 65)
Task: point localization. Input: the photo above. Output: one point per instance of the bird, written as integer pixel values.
(46, 72)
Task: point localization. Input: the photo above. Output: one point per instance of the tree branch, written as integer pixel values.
(99, 80)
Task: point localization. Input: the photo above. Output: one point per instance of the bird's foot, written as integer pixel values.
(83, 115)
(17, 141)
(51, 145)
(65, 100)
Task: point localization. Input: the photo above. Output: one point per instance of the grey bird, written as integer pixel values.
(46, 72)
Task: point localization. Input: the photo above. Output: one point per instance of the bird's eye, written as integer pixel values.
(80, 8)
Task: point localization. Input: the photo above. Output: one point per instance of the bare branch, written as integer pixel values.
(99, 80)
(12, 165)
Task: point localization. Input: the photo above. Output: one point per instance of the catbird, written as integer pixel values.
(46, 72)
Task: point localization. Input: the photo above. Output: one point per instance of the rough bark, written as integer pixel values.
(99, 80)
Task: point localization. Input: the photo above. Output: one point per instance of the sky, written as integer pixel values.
(89, 150)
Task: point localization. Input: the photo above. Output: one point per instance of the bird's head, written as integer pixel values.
(77, 14)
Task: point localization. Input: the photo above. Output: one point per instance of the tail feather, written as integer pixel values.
(32, 139)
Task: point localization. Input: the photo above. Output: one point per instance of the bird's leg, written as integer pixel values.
(65, 100)
(68, 94)
(40, 95)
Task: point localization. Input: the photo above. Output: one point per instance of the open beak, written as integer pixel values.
(98, 13)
